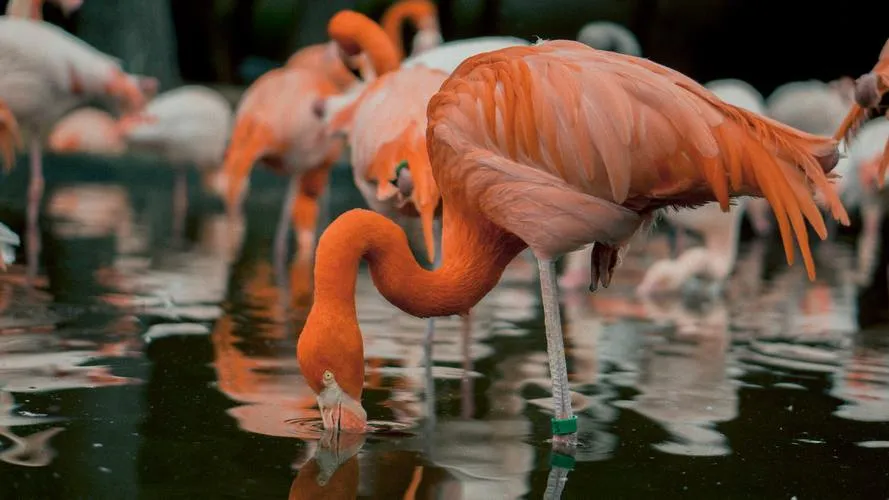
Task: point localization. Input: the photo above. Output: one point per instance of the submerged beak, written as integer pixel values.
(339, 411)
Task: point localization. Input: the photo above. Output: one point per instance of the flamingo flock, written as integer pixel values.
(475, 153)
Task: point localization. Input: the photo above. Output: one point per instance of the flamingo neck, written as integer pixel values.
(419, 12)
(475, 254)
(356, 33)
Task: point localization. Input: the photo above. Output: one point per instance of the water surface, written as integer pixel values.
(142, 368)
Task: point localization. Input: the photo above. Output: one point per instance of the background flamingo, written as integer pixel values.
(189, 125)
(40, 86)
(423, 14)
(516, 139)
(605, 35)
(275, 123)
(87, 130)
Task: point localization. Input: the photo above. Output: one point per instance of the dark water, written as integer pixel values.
(143, 370)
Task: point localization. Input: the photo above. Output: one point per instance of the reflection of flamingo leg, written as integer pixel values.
(35, 194)
(29, 451)
(555, 483)
(180, 204)
(467, 408)
(430, 380)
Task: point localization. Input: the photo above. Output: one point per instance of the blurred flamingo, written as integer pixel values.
(864, 189)
(187, 125)
(275, 123)
(869, 91)
(423, 14)
(605, 35)
(33, 9)
(41, 86)
(87, 130)
(552, 147)
(338, 111)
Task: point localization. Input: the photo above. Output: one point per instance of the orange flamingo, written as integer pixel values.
(869, 90)
(275, 123)
(87, 130)
(423, 14)
(552, 147)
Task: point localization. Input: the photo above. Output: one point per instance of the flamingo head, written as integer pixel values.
(330, 353)
(68, 7)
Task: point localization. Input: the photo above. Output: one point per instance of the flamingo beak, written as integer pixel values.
(339, 411)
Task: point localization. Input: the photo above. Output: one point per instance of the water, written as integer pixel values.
(140, 369)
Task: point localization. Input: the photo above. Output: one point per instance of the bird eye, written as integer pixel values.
(328, 376)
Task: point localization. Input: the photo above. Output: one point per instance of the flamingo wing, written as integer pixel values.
(562, 121)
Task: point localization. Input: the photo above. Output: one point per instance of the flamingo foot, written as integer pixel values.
(602, 263)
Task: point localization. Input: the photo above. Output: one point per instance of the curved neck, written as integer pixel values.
(417, 11)
(356, 33)
(475, 253)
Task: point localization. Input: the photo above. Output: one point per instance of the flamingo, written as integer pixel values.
(41, 85)
(423, 14)
(187, 125)
(389, 142)
(605, 35)
(866, 154)
(552, 147)
(275, 122)
(869, 90)
(33, 9)
(88, 130)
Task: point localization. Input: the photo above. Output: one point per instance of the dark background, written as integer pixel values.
(766, 43)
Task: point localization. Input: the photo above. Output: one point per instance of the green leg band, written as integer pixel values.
(564, 426)
(561, 461)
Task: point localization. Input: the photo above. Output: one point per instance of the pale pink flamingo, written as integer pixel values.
(87, 130)
(552, 147)
(48, 72)
(189, 125)
(605, 35)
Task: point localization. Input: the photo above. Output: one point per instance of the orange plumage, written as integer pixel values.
(423, 14)
(553, 147)
(10, 138)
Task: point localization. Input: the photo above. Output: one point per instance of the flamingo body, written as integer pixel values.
(87, 130)
(190, 124)
(527, 150)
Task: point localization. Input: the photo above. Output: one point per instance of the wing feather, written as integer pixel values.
(632, 132)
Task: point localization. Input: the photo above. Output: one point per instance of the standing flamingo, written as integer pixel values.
(275, 123)
(552, 147)
(41, 85)
(87, 130)
(187, 125)
(423, 14)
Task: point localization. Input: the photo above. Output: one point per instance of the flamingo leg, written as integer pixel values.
(564, 422)
(180, 204)
(467, 408)
(35, 195)
(304, 216)
(282, 231)
(868, 244)
(430, 380)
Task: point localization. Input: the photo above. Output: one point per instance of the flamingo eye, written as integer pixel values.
(328, 375)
